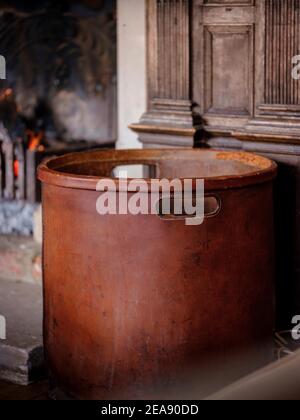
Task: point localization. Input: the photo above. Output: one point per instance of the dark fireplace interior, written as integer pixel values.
(59, 95)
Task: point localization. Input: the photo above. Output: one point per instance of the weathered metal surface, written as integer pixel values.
(132, 303)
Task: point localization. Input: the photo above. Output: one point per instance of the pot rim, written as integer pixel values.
(50, 170)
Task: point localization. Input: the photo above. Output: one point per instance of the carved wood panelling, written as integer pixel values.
(224, 84)
(173, 28)
(224, 67)
(282, 42)
(228, 75)
(230, 2)
(170, 64)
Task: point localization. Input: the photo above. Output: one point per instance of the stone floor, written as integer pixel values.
(21, 351)
(38, 391)
(20, 259)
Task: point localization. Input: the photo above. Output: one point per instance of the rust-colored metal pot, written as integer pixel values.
(132, 302)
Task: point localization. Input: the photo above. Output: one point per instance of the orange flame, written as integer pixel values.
(6, 94)
(16, 168)
(35, 140)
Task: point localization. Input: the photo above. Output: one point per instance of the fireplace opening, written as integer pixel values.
(59, 95)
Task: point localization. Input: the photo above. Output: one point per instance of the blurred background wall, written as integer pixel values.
(131, 68)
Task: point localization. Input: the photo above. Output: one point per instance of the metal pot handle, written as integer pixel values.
(212, 207)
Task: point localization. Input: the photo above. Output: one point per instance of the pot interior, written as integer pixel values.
(162, 163)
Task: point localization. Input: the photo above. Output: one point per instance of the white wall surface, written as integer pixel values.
(131, 69)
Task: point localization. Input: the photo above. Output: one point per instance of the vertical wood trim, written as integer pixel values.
(282, 19)
(197, 46)
(169, 36)
(152, 49)
(261, 38)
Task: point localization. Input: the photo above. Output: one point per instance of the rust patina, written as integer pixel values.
(132, 303)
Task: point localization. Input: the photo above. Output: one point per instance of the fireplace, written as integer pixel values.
(21, 153)
(59, 95)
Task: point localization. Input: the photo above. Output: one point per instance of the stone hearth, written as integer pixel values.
(21, 354)
(20, 259)
(16, 217)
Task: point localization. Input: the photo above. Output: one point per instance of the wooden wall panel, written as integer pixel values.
(228, 75)
(170, 61)
(173, 28)
(223, 67)
(229, 2)
(224, 88)
(282, 43)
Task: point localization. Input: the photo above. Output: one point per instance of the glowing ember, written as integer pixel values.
(35, 140)
(16, 168)
(6, 94)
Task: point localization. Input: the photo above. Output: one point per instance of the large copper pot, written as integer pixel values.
(133, 302)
